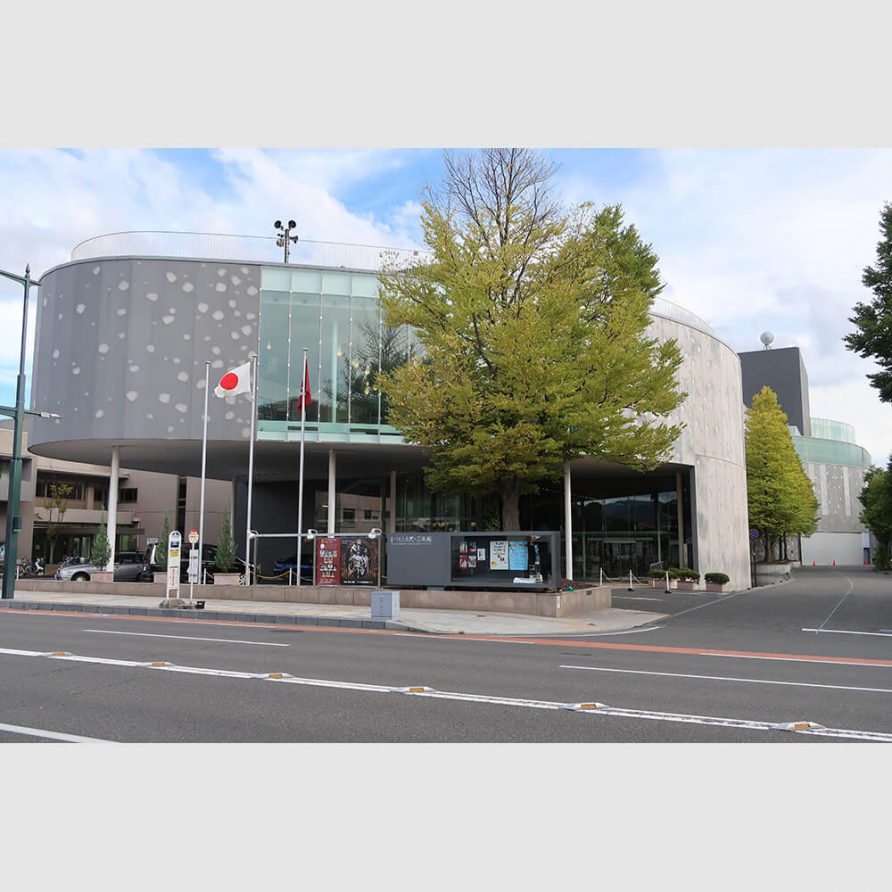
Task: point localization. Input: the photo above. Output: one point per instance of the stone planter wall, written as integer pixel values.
(776, 571)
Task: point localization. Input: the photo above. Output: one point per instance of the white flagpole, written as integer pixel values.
(250, 470)
(204, 460)
(300, 485)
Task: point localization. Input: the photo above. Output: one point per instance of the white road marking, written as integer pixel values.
(882, 634)
(636, 598)
(186, 637)
(51, 735)
(601, 711)
(830, 661)
(829, 617)
(624, 632)
(795, 684)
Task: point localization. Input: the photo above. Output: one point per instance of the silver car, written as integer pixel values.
(129, 567)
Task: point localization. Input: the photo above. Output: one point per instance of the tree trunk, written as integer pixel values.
(510, 493)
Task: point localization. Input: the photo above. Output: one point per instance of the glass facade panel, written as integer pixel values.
(337, 317)
(273, 356)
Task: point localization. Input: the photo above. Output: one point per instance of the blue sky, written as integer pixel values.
(748, 239)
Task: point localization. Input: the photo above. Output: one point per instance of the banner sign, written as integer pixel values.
(359, 560)
(174, 543)
(328, 561)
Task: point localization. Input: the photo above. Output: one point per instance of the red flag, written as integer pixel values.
(305, 388)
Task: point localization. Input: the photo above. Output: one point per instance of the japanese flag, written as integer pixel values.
(236, 381)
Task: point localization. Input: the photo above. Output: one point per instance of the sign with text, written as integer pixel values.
(174, 544)
(498, 554)
(328, 560)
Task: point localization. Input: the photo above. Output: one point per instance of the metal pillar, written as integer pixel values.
(111, 528)
(391, 521)
(332, 490)
(682, 557)
(568, 522)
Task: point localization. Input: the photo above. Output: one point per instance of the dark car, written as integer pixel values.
(151, 567)
(283, 565)
(128, 568)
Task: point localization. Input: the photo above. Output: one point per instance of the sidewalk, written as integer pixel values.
(450, 622)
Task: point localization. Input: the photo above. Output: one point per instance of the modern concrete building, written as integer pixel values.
(52, 528)
(832, 459)
(125, 330)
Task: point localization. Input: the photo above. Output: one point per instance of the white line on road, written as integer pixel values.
(636, 598)
(882, 634)
(829, 617)
(425, 692)
(828, 661)
(50, 735)
(795, 684)
(186, 637)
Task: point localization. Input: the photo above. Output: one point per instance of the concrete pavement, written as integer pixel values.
(410, 619)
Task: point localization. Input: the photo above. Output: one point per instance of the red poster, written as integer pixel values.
(328, 561)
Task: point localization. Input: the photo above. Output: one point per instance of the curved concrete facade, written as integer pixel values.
(121, 347)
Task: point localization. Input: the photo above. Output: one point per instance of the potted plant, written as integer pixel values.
(688, 579)
(715, 582)
(225, 570)
(658, 577)
(99, 555)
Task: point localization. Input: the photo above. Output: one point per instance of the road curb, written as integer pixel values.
(211, 615)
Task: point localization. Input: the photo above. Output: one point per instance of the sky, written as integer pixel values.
(751, 240)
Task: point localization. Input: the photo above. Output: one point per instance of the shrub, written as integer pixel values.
(225, 556)
(101, 550)
(161, 547)
(686, 574)
(656, 573)
(717, 578)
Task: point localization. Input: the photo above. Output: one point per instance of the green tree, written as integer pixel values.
(874, 320)
(161, 547)
(224, 558)
(59, 493)
(781, 497)
(101, 550)
(876, 515)
(532, 321)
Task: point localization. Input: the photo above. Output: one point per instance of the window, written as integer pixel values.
(45, 485)
(128, 495)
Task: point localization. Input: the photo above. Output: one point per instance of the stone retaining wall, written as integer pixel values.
(552, 604)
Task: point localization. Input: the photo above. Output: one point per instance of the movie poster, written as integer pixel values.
(328, 553)
(498, 554)
(359, 561)
(518, 555)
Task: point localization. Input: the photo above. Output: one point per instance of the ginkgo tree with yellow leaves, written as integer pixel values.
(532, 321)
(781, 498)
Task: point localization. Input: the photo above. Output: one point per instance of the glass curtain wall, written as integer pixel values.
(335, 314)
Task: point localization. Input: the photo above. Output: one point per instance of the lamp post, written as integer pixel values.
(13, 521)
(285, 236)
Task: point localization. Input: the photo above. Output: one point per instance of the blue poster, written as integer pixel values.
(517, 555)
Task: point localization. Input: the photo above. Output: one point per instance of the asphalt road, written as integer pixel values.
(719, 669)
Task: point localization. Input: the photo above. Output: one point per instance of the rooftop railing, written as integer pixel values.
(263, 249)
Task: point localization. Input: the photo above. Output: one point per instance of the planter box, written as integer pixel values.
(687, 586)
(160, 577)
(102, 576)
(776, 571)
(227, 578)
(715, 586)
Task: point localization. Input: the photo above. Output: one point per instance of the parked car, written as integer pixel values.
(128, 568)
(283, 565)
(151, 565)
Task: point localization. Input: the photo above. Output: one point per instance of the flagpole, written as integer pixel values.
(300, 486)
(204, 457)
(250, 469)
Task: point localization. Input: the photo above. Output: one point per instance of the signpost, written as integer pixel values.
(194, 561)
(174, 543)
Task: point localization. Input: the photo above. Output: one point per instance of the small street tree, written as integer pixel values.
(876, 515)
(101, 550)
(533, 323)
(873, 338)
(224, 558)
(58, 505)
(781, 498)
(161, 547)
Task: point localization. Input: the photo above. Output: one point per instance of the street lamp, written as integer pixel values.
(18, 412)
(285, 237)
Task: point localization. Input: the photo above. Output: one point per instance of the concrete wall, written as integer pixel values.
(847, 549)
(712, 443)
